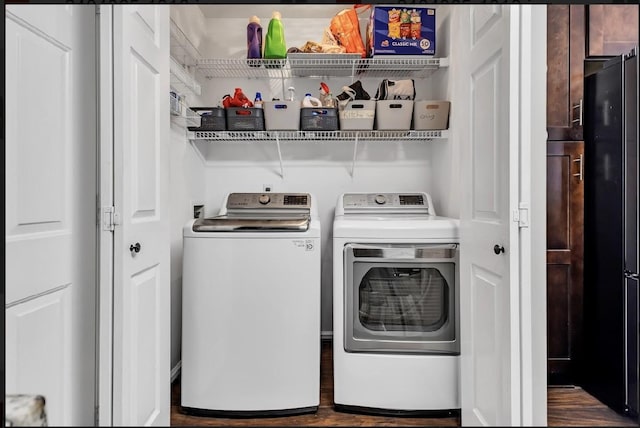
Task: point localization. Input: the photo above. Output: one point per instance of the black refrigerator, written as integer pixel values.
(610, 361)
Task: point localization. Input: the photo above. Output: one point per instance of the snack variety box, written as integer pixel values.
(401, 31)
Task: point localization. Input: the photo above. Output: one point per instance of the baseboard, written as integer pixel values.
(326, 335)
(176, 371)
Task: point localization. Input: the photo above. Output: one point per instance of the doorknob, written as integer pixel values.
(498, 249)
(135, 248)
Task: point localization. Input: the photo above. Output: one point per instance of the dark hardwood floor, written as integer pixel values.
(567, 406)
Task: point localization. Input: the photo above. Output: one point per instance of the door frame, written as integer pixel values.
(105, 199)
(532, 163)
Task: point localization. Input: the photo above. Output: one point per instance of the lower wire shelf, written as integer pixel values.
(302, 136)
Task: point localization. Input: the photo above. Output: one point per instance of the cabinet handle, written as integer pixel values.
(498, 249)
(579, 107)
(579, 173)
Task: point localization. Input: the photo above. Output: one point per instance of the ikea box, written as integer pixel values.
(429, 115)
(211, 119)
(318, 119)
(245, 119)
(394, 114)
(358, 115)
(401, 31)
(281, 115)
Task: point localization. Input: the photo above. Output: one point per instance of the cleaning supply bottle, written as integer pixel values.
(258, 101)
(326, 97)
(309, 101)
(254, 42)
(274, 44)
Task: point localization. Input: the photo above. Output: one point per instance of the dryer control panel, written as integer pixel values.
(386, 202)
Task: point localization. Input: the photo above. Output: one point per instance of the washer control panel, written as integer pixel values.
(386, 201)
(239, 201)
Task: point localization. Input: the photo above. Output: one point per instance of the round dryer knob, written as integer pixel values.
(264, 199)
(380, 199)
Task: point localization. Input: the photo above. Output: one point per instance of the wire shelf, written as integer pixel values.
(181, 48)
(302, 136)
(182, 114)
(298, 65)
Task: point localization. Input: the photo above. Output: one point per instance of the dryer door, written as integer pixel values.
(401, 298)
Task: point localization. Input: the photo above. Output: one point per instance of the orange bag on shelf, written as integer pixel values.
(345, 27)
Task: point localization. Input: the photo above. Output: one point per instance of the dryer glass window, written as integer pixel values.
(403, 299)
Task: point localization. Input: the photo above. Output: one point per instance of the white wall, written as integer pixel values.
(186, 181)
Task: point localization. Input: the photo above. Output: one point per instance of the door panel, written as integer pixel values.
(488, 397)
(50, 207)
(48, 320)
(38, 158)
(141, 369)
(565, 250)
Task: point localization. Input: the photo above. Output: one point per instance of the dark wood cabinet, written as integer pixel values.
(565, 70)
(613, 29)
(574, 33)
(565, 219)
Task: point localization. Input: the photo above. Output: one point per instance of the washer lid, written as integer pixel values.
(296, 222)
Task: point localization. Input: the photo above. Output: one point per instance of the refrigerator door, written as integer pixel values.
(631, 229)
(604, 321)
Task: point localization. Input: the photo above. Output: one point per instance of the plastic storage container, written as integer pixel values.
(318, 119)
(281, 115)
(358, 115)
(245, 119)
(429, 115)
(212, 119)
(394, 114)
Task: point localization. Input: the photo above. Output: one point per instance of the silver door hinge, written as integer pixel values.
(110, 218)
(521, 215)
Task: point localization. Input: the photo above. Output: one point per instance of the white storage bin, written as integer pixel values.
(358, 115)
(281, 115)
(430, 115)
(394, 114)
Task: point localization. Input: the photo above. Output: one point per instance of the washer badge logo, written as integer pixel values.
(306, 244)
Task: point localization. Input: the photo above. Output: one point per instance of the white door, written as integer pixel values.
(50, 207)
(489, 279)
(141, 294)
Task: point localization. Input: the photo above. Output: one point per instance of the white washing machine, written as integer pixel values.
(251, 308)
(396, 335)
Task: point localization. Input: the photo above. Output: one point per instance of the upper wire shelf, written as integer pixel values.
(315, 65)
(181, 47)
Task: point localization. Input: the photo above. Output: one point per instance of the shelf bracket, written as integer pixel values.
(355, 151)
(279, 154)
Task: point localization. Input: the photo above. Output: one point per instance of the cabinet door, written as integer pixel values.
(613, 29)
(565, 225)
(565, 70)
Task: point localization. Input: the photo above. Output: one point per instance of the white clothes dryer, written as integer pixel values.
(396, 335)
(251, 308)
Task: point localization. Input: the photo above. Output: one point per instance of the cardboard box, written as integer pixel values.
(428, 115)
(401, 31)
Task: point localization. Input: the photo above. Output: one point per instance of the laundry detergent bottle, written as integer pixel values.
(274, 44)
(254, 42)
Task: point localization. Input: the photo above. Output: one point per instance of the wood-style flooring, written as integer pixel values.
(568, 406)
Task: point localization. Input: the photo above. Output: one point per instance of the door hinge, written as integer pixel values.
(521, 215)
(96, 416)
(110, 218)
